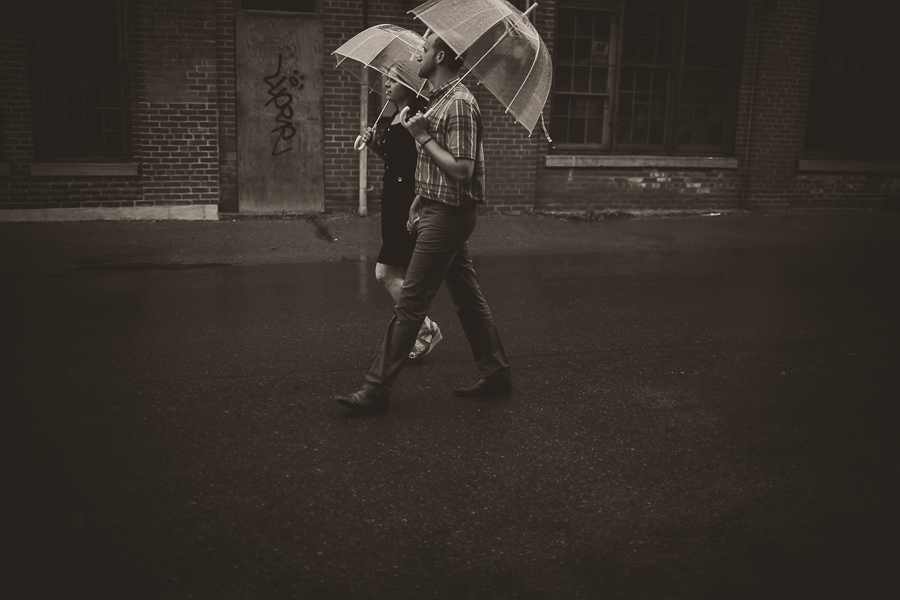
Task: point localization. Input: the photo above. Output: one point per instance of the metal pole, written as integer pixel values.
(363, 156)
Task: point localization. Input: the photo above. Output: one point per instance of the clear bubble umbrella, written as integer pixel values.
(388, 50)
(502, 49)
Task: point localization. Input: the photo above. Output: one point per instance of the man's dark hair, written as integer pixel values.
(453, 62)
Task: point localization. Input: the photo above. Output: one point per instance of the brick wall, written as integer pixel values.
(15, 108)
(225, 104)
(177, 115)
(771, 137)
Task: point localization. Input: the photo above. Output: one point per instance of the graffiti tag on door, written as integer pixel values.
(282, 99)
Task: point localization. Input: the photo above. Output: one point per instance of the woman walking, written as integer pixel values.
(397, 148)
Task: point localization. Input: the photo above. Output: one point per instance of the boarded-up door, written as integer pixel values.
(279, 113)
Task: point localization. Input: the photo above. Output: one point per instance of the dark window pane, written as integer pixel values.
(716, 133)
(660, 82)
(657, 106)
(630, 49)
(565, 49)
(853, 97)
(302, 6)
(112, 97)
(73, 98)
(93, 97)
(576, 131)
(594, 134)
(113, 143)
(560, 105)
(647, 52)
(93, 120)
(93, 142)
(598, 80)
(584, 24)
(656, 132)
(644, 79)
(581, 79)
(639, 132)
(112, 120)
(626, 106)
(580, 107)
(559, 129)
(583, 51)
(79, 75)
(563, 78)
(75, 142)
(567, 22)
(74, 119)
(623, 132)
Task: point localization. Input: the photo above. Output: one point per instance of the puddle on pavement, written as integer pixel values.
(145, 266)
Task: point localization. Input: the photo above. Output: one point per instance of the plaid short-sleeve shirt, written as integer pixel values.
(456, 125)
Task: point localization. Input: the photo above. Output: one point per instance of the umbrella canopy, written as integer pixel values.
(387, 49)
(501, 47)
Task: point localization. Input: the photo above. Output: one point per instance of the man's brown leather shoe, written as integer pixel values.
(365, 401)
(486, 388)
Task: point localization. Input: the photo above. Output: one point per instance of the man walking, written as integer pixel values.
(450, 182)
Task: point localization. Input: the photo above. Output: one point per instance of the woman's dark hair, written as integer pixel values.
(417, 104)
(454, 62)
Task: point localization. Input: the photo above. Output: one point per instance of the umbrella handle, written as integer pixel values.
(356, 145)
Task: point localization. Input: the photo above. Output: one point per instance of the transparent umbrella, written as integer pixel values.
(502, 49)
(388, 50)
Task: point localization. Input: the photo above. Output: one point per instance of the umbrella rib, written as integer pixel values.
(503, 37)
(537, 55)
(461, 23)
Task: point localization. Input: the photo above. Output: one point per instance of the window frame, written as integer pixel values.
(611, 7)
(285, 13)
(677, 70)
(38, 79)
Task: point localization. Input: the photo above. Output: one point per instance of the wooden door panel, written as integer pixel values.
(279, 61)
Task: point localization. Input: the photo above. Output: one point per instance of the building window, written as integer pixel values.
(78, 80)
(853, 102)
(285, 6)
(653, 76)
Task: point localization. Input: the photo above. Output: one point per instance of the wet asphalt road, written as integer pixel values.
(696, 424)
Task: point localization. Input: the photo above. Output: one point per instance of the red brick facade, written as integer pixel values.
(181, 90)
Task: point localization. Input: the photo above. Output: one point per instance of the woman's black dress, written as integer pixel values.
(399, 151)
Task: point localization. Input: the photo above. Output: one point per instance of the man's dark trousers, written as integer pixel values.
(442, 254)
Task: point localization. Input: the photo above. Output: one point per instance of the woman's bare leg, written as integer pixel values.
(391, 277)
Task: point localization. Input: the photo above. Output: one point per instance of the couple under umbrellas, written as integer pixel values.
(494, 42)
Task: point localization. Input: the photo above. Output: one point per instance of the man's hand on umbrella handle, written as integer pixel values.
(364, 138)
(417, 124)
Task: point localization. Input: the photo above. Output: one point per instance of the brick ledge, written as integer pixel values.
(683, 162)
(194, 212)
(859, 166)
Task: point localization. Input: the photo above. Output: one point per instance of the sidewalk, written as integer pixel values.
(248, 240)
